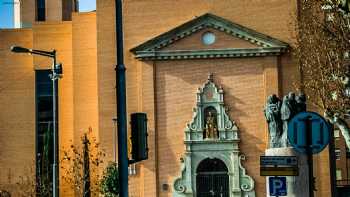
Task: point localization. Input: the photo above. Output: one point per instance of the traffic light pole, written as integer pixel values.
(121, 104)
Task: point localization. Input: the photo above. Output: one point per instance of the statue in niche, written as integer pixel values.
(272, 115)
(278, 115)
(211, 130)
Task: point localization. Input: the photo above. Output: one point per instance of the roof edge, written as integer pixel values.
(210, 53)
(204, 21)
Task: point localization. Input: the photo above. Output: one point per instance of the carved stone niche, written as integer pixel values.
(221, 146)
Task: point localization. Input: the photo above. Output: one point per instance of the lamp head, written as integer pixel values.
(59, 69)
(18, 49)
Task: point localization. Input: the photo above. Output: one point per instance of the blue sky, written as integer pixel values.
(6, 11)
(87, 5)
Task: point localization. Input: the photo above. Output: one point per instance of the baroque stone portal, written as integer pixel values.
(211, 164)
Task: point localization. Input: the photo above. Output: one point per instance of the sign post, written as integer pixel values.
(308, 133)
(308, 136)
(278, 166)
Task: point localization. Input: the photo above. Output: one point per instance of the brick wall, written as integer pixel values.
(176, 85)
(17, 105)
(165, 90)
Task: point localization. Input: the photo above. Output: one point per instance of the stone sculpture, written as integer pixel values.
(272, 115)
(278, 115)
(301, 102)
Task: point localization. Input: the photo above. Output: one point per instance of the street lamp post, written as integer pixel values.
(56, 74)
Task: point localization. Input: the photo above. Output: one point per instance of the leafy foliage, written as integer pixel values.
(110, 181)
(72, 165)
(322, 50)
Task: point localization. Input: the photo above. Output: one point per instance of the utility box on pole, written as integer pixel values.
(139, 150)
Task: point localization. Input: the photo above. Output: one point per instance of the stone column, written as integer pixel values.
(297, 186)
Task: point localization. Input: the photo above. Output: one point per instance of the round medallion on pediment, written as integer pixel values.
(208, 38)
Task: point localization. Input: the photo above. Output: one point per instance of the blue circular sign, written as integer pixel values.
(318, 128)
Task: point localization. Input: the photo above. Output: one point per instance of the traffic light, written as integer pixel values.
(139, 150)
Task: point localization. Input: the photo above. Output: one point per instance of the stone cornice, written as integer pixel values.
(209, 53)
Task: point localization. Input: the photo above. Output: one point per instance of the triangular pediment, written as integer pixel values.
(250, 42)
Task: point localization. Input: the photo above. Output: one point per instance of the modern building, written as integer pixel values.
(187, 61)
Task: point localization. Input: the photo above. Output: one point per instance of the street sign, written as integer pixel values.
(278, 186)
(297, 134)
(278, 161)
(279, 171)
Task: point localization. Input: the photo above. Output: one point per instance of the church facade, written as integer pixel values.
(201, 70)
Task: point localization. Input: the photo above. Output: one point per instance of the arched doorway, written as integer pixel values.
(212, 179)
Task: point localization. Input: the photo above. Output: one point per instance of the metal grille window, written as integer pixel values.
(212, 179)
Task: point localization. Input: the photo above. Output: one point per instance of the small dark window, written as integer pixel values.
(347, 153)
(40, 10)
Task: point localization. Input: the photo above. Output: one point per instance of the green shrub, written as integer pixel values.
(110, 182)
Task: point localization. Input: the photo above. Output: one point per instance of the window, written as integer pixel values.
(347, 153)
(69, 6)
(40, 10)
(338, 175)
(337, 153)
(44, 130)
(336, 133)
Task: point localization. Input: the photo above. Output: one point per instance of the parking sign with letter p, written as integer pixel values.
(278, 186)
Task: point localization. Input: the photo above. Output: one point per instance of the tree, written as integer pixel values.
(86, 167)
(322, 51)
(80, 165)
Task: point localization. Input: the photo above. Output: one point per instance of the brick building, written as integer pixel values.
(170, 47)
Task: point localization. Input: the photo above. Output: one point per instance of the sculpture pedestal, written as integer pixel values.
(297, 186)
